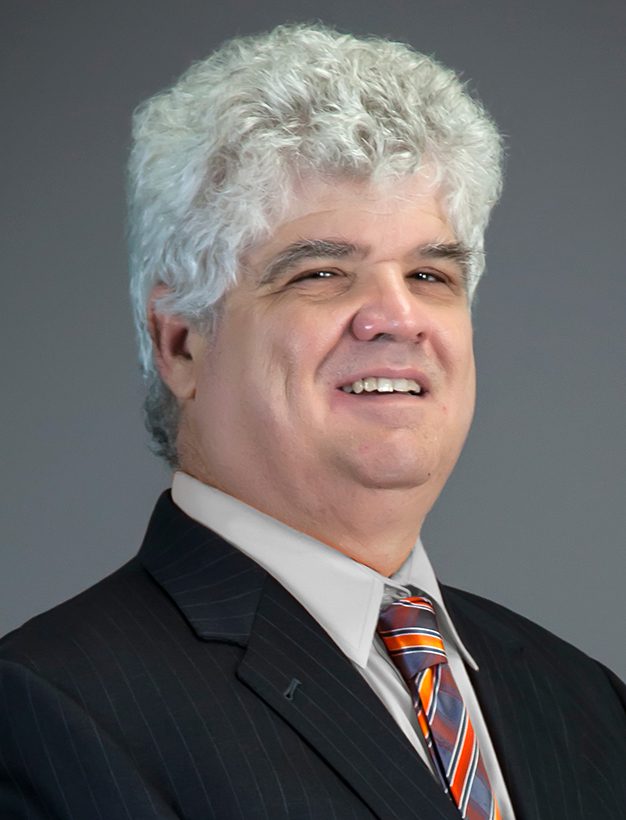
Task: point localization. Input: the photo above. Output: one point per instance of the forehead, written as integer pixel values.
(314, 194)
(388, 218)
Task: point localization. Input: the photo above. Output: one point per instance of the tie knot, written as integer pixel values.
(408, 628)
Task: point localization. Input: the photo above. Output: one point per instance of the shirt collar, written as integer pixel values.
(418, 574)
(342, 595)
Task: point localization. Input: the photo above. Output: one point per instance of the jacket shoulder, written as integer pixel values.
(557, 655)
(102, 615)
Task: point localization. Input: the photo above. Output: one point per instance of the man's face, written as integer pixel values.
(360, 287)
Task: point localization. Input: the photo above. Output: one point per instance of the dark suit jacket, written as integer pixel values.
(190, 684)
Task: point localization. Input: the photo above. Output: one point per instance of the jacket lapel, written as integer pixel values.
(215, 586)
(535, 717)
(291, 664)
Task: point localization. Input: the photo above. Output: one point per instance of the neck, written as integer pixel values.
(375, 527)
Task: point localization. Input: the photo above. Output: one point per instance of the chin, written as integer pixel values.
(403, 465)
(395, 474)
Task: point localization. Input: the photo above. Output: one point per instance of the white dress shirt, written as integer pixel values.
(345, 598)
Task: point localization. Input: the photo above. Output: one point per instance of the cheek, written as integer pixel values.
(296, 345)
(456, 348)
(462, 366)
(470, 369)
(270, 364)
(467, 386)
(464, 344)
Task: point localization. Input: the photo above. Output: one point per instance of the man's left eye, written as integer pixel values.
(427, 276)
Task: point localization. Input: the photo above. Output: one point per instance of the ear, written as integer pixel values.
(176, 347)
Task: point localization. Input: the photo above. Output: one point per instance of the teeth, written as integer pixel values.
(372, 384)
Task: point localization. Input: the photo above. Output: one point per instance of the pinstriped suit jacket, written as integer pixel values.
(189, 684)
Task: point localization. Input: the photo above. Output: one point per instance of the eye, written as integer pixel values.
(313, 275)
(427, 276)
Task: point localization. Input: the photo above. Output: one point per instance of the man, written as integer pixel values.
(307, 216)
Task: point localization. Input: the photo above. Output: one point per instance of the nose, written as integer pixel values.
(389, 310)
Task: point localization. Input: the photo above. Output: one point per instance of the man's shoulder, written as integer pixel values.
(510, 626)
(500, 617)
(104, 615)
(554, 654)
(118, 606)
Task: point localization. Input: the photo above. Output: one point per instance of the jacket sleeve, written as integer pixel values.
(55, 762)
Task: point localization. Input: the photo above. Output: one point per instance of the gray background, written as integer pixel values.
(534, 516)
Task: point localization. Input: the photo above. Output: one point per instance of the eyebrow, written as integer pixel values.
(454, 251)
(308, 249)
(305, 249)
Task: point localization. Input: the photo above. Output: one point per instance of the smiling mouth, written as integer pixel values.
(374, 384)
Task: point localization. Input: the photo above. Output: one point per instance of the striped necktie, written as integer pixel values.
(408, 628)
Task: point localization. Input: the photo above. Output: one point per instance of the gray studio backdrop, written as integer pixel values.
(534, 516)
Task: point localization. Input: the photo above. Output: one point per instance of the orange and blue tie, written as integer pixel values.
(408, 628)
